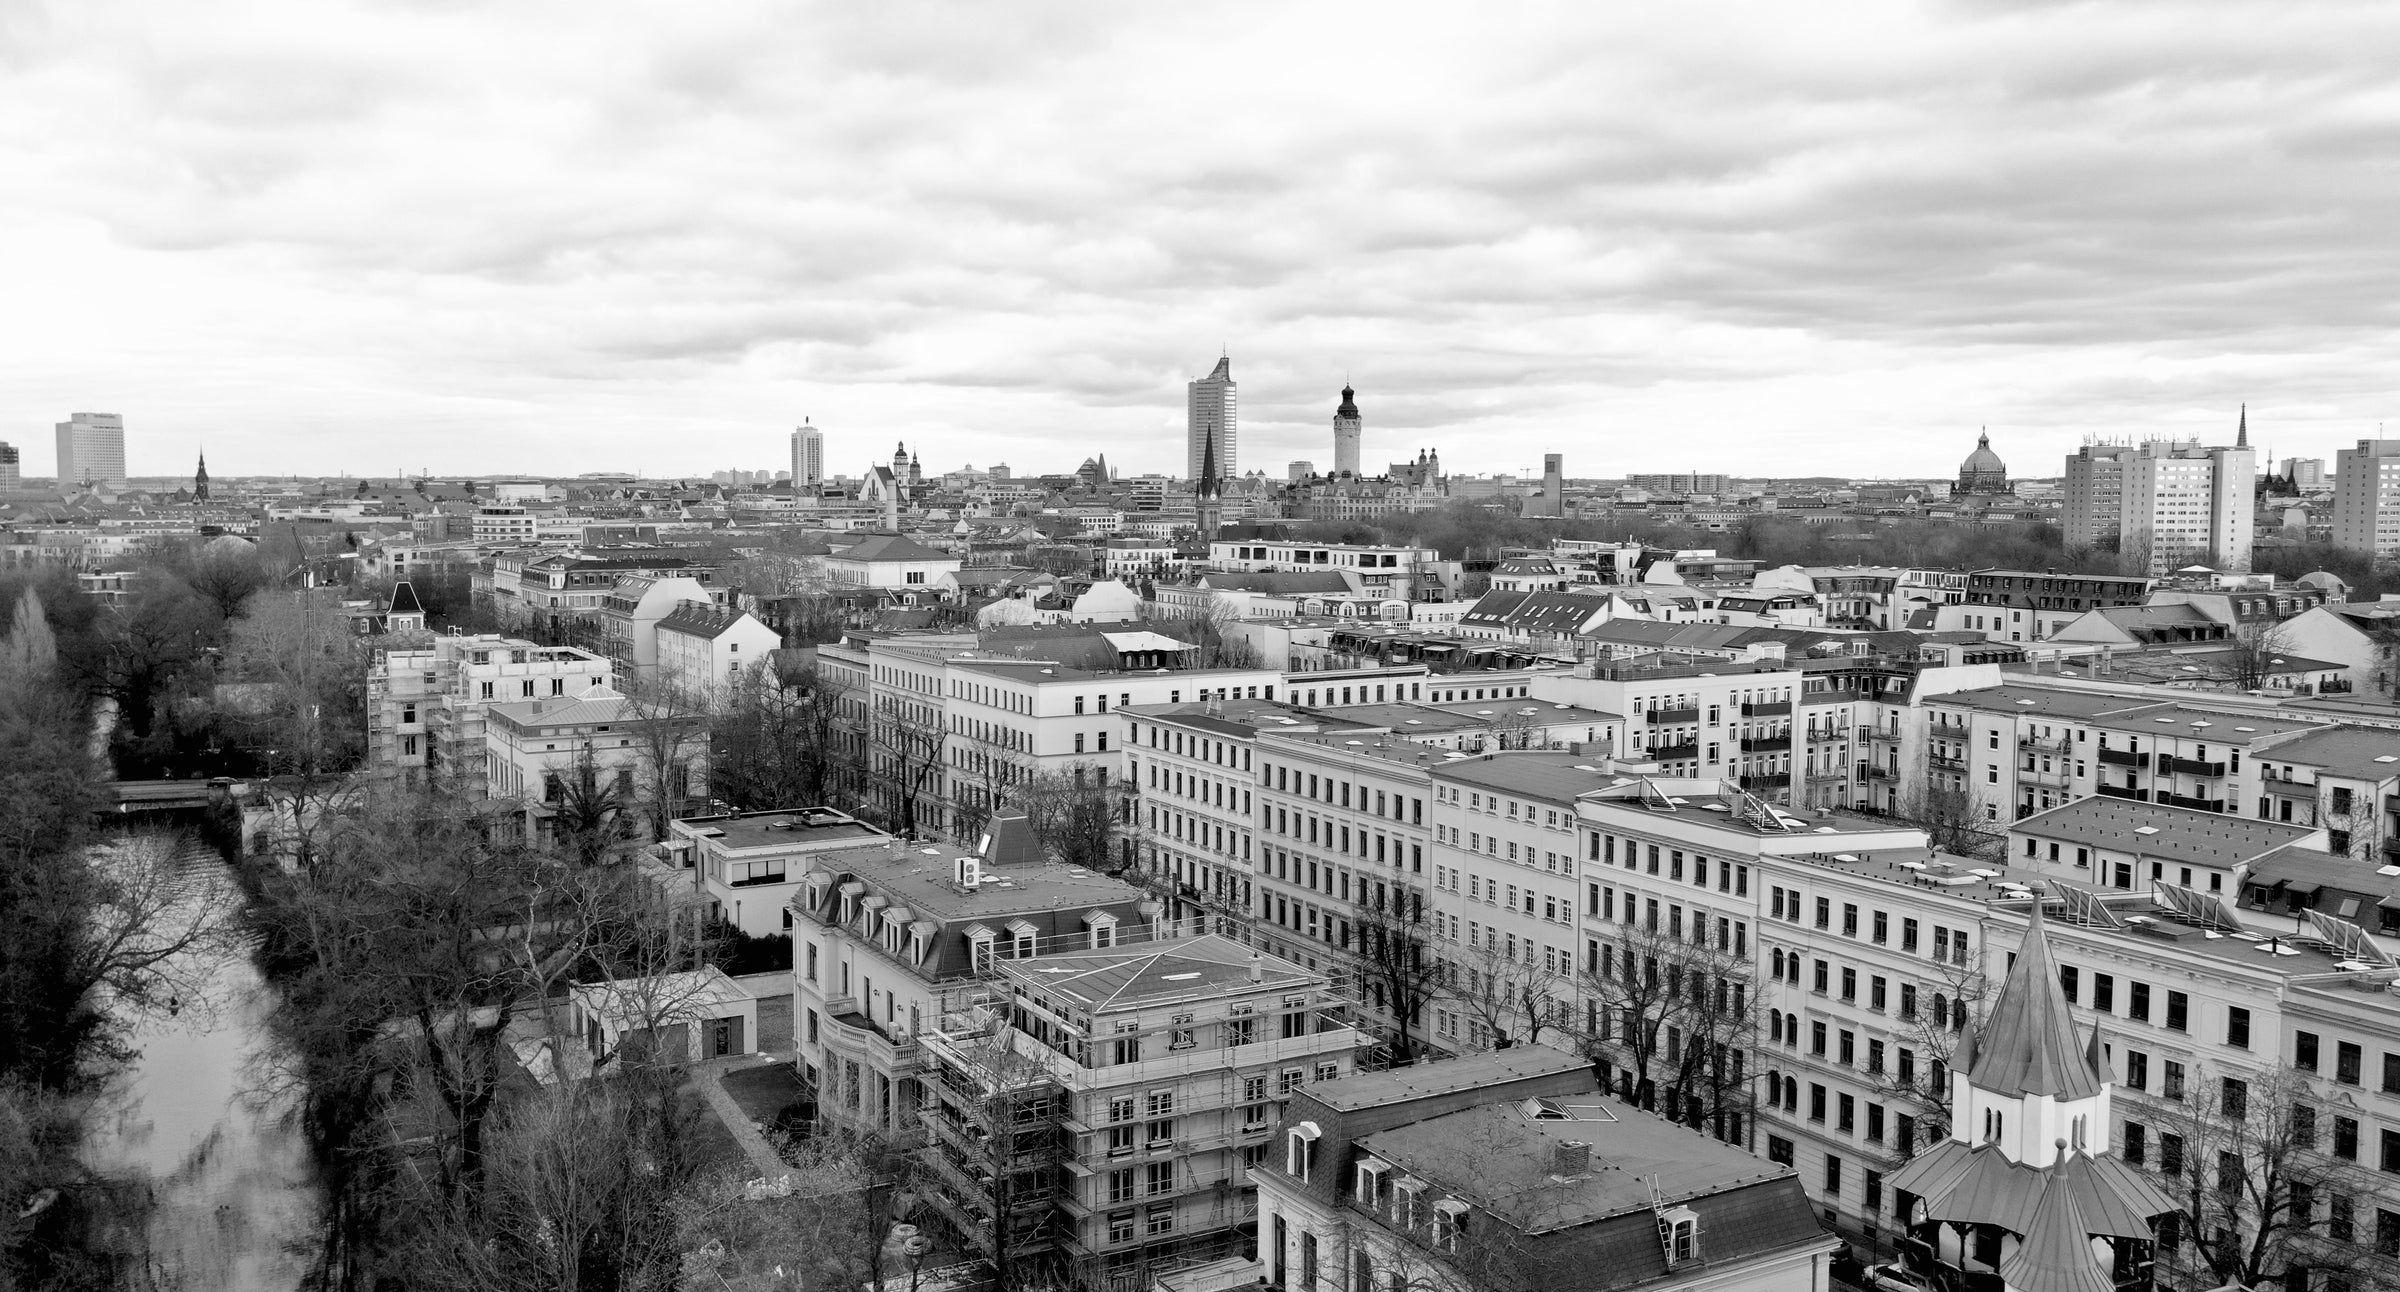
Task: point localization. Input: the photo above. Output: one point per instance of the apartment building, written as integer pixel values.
(2110, 843)
(626, 623)
(1192, 770)
(1105, 1109)
(1711, 718)
(1513, 1169)
(888, 937)
(426, 705)
(535, 752)
(1505, 892)
(2094, 490)
(2346, 779)
(751, 865)
(1397, 573)
(702, 648)
(2366, 497)
(550, 592)
(2183, 502)
(2030, 606)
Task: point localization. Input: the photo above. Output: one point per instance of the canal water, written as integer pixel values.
(233, 1191)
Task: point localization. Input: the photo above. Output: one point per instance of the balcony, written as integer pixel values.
(1767, 781)
(2166, 799)
(1876, 772)
(2122, 757)
(1671, 753)
(1767, 744)
(1827, 735)
(2291, 789)
(2170, 765)
(1946, 763)
(1766, 709)
(2058, 777)
(1879, 735)
(1668, 717)
(852, 1033)
(2035, 744)
(2122, 792)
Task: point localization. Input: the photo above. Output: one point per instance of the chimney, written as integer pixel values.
(1570, 1158)
(1257, 967)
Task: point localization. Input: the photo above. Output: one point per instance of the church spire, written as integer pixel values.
(2241, 434)
(2029, 1046)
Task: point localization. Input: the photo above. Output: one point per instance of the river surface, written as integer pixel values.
(235, 1195)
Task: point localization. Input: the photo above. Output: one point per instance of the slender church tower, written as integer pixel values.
(200, 479)
(2026, 1186)
(1347, 429)
(1210, 508)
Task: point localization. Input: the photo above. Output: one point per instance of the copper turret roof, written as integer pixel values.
(2029, 1047)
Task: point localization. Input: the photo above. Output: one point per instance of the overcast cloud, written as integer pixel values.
(331, 235)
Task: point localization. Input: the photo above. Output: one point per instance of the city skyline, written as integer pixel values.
(347, 245)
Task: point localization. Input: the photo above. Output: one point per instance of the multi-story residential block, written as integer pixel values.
(1106, 1110)
(2110, 843)
(752, 866)
(551, 592)
(506, 522)
(2094, 492)
(2366, 497)
(2345, 779)
(1513, 1170)
(1400, 573)
(626, 623)
(426, 705)
(2023, 605)
(703, 648)
(2183, 503)
(1705, 718)
(11, 477)
(887, 937)
(541, 751)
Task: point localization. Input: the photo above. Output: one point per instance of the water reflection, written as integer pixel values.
(232, 1193)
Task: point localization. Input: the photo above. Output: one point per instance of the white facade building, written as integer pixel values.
(91, 450)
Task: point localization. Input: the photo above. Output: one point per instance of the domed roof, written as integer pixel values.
(1983, 461)
(1348, 408)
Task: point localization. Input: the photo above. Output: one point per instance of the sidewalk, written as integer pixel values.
(707, 1076)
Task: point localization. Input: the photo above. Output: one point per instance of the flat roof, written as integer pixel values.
(2081, 706)
(1447, 1076)
(1243, 719)
(922, 878)
(784, 828)
(2174, 833)
(2190, 723)
(1157, 973)
(2366, 753)
(1535, 773)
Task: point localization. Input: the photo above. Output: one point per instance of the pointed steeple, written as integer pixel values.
(2030, 1046)
(2241, 434)
(1207, 485)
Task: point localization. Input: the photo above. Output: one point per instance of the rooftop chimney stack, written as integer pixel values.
(1570, 1158)
(1258, 969)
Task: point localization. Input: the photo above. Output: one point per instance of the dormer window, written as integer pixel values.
(1300, 1151)
(980, 942)
(1449, 1224)
(1408, 1194)
(1374, 1183)
(1102, 927)
(1021, 940)
(1679, 1235)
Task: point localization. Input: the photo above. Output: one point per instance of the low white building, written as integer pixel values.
(701, 648)
(749, 864)
(668, 1018)
(890, 561)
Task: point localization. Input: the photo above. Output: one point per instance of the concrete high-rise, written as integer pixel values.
(91, 449)
(1212, 410)
(2366, 497)
(9, 476)
(2185, 503)
(1347, 427)
(808, 460)
(2307, 474)
(2095, 494)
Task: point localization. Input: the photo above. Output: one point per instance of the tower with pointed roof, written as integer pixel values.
(200, 479)
(1207, 505)
(1348, 429)
(2026, 1186)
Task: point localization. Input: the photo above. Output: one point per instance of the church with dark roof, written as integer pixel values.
(1983, 473)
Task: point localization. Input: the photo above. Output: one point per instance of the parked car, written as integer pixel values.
(1892, 1277)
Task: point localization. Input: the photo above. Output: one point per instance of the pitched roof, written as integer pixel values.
(2029, 1046)
(890, 547)
(404, 600)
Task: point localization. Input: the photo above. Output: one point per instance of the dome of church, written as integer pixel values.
(1983, 471)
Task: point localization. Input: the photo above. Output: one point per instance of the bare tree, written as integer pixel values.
(593, 809)
(669, 727)
(307, 721)
(1953, 821)
(1677, 1017)
(994, 1156)
(1392, 948)
(1508, 993)
(2254, 655)
(2240, 1154)
(905, 744)
(1931, 1017)
(1077, 813)
(777, 739)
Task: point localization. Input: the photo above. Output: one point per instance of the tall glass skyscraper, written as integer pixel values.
(91, 447)
(1213, 405)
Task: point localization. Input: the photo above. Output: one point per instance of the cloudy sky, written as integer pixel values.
(327, 235)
